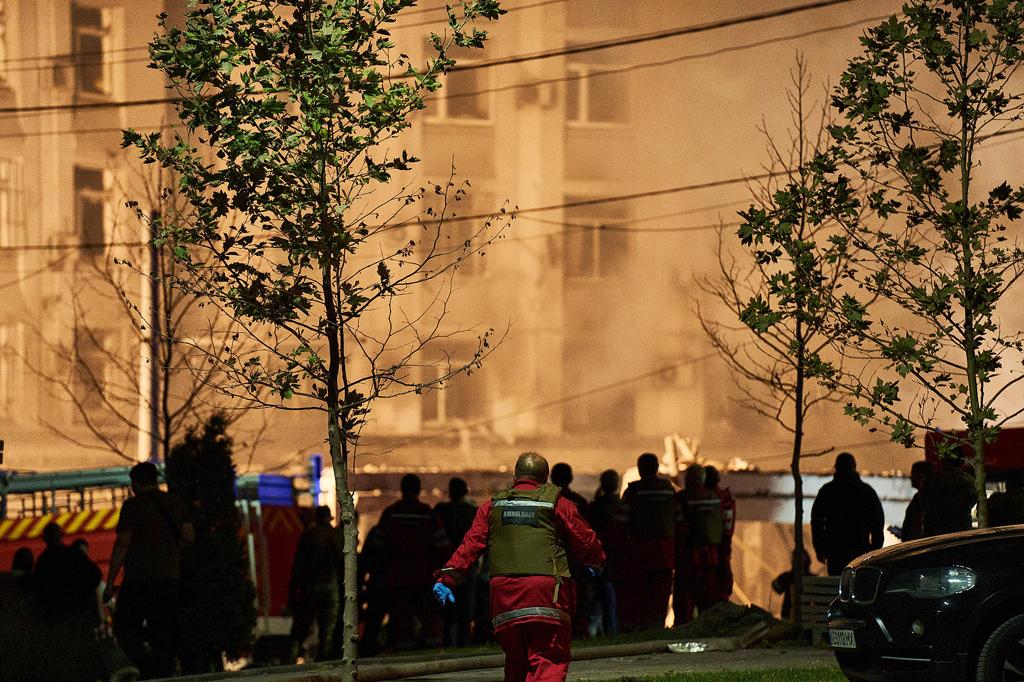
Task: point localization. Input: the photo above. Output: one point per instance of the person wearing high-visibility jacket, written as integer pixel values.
(712, 481)
(696, 581)
(645, 529)
(530, 531)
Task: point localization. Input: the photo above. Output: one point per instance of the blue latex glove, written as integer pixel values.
(593, 571)
(443, 594)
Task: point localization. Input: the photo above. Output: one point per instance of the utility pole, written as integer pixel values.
(149, 352)
(155, 327)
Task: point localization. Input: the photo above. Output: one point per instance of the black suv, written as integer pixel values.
(949, 607)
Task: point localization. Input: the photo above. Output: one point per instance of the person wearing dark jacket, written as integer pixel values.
(604, 618)
(647, 529)
(456, 516)
(913, 520)
(413, 543)
(697, 579)
(561, 475)
(947, 498)
(314, 590)
(1007, 508)
(586, 585)
(529, 530)
(846, 517)
(66, 581)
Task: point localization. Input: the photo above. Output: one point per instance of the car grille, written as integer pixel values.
(860, 585)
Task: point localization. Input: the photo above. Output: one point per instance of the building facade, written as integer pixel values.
(612, 155)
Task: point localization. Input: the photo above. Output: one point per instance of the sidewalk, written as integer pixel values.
(606, 669)
(620, 661)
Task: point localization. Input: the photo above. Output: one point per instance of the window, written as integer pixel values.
(460, 399)
(3, 40)
(462, 238)
(10, 201)
(89, 209)
(91, 31)
(592, 97)
(595, 243)
(10, 385)
(92, 364)
(461, 97)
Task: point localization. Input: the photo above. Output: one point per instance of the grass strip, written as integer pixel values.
(776, 675)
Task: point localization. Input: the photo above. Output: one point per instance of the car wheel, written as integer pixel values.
(1002, 657)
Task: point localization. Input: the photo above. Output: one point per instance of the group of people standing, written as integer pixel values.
(558, 563)
(847, 519)
(616, 563)
(63, 586)
(664, 542)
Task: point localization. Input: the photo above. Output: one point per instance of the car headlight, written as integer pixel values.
(932, 583)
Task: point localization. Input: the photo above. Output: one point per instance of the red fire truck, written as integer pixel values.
(87, 503)
(1001, 455)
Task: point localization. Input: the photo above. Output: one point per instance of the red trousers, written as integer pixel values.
(697, 583)
(643, 599)
(536, 651)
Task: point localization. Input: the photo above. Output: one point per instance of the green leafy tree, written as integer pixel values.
(777, 290)
(218, 593)
(918, 318)
(294, 112)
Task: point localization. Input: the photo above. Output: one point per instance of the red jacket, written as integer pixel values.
(642, 555)
(514, 597)
(413, 542)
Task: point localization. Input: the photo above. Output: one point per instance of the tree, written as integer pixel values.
(139, 385)
(218, 594)
(294, 111)
(934, 256)
(779, 291)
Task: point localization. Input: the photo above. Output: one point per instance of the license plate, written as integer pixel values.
(842, 639)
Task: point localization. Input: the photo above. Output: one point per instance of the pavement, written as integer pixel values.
(600, 670)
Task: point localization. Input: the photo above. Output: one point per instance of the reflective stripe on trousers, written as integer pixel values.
(531, 612)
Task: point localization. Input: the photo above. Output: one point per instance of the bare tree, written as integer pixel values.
(126, 360)
(775, 285)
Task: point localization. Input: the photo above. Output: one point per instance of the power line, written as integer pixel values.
(841, 446)
(563, 399)
(649, 37)
(524, 84)
(501, 61)
(64, 57)
(583, 203)
(478, 216)
(73, 60)
(655, 64)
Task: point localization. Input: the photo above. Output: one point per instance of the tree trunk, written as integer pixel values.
(798, 485)
(979, 482)
(350, 534)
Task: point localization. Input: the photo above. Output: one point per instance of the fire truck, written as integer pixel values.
(1006, 452)
(87, 503)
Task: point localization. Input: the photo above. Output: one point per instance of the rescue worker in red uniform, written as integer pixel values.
(712, 481)
(413, 543)
(530, 531)
(696, 584)
(646, 526)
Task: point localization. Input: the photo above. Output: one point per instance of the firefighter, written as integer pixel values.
(529, 530)
(696, 584)
(712, 479)
(645, 527)
(413, 543)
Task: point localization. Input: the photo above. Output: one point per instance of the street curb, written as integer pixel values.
(380, 672)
